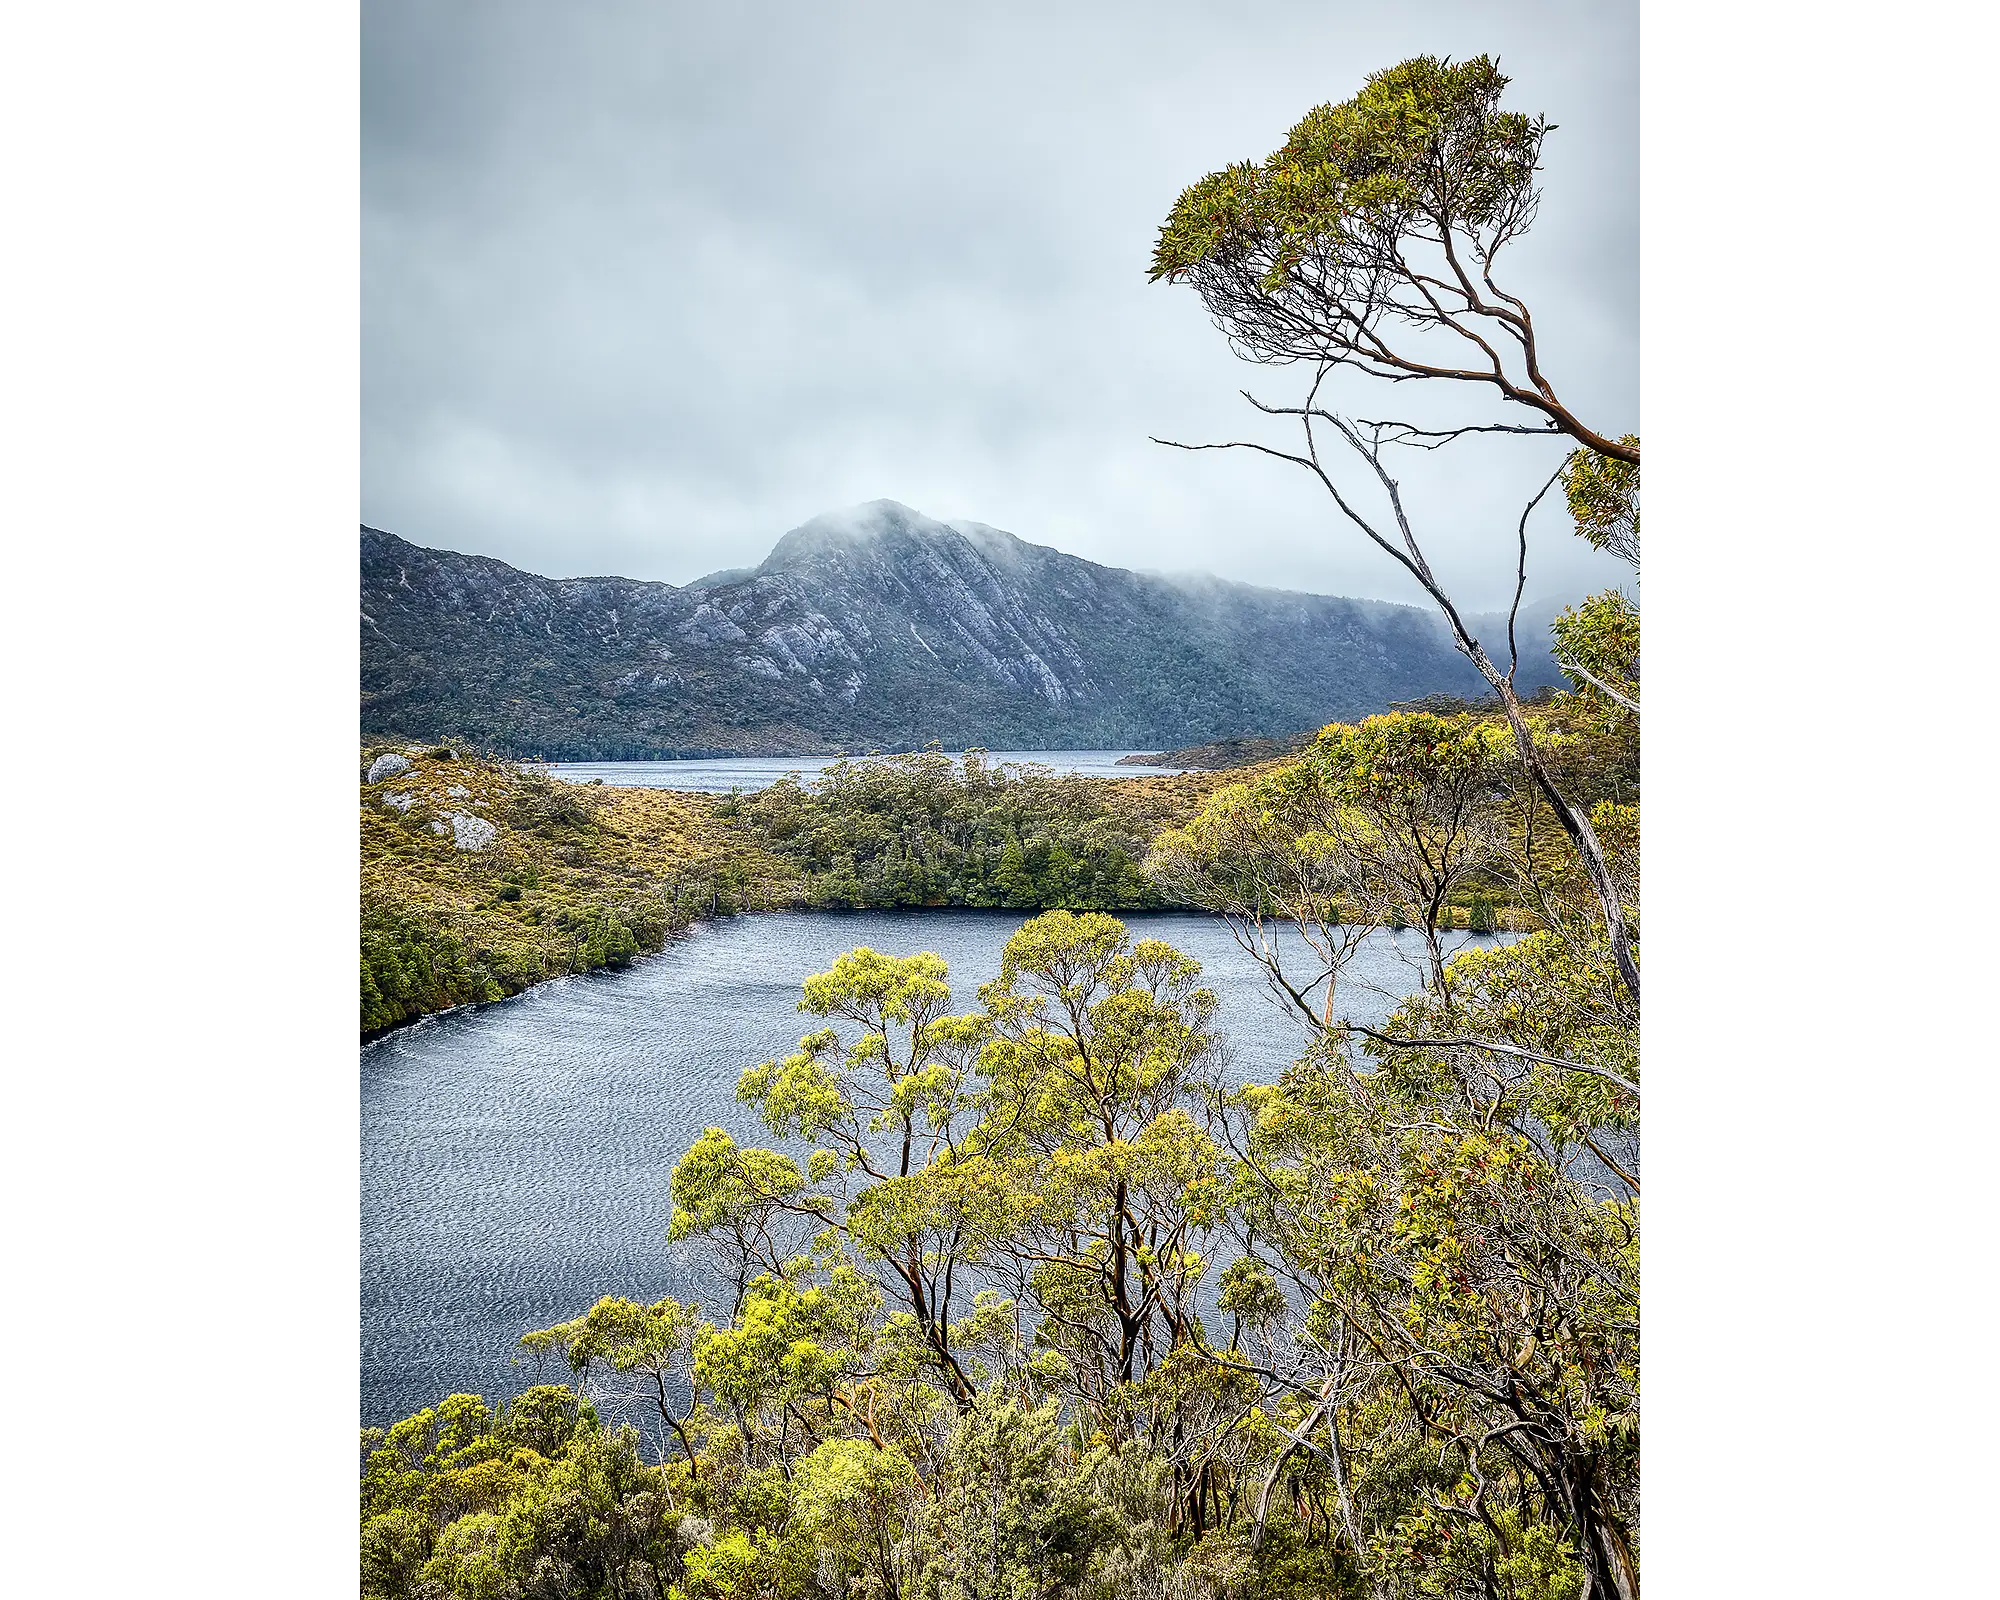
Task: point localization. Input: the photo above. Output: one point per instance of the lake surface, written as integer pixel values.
(760, 772)
(515, 1157)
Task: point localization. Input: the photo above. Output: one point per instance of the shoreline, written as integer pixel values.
(1508, 919)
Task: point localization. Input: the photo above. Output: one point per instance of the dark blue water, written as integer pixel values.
(515, 1157)
(749, 773)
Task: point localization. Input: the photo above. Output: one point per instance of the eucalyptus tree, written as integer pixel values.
(1371, 237)
(645, 1351)
(1100, 1050)
(1369, 242)
(1052, 1139)
(1465, 1369)
(887, 1106)
(1409, 806)
(1374, 825)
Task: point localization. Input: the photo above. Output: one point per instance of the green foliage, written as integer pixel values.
(473, 1503)
(1601, 636)
(1380, 824)
(1423, 140)
(573, 879)
(923, 830)
(1603, 495)
(412, 963)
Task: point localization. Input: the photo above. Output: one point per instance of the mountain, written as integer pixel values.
(876, 628)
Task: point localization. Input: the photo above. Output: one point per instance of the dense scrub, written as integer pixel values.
(582, 876)
(569, 878)
(923, 830)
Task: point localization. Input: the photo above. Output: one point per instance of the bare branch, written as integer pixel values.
(1412, 436)
(1498, 1049)
(1597, 683)
(1521, 576)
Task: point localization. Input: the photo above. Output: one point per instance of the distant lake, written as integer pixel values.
(760, 772)
(515, 1156)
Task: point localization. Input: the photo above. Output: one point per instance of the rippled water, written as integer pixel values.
(515, 1157)
(760, 772)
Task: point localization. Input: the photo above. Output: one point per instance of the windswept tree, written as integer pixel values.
(1369, 242)
(1371, 239)
(1453, 1196)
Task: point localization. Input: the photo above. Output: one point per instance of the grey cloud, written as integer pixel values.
(644, 286)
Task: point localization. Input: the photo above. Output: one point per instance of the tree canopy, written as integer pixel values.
(1370, 239)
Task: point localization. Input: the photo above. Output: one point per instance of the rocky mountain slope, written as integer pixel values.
(876, 628)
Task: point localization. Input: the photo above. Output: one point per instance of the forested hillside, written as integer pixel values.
(875, 629)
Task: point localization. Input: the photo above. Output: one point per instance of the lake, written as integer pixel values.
(515, 1157)
(760, 772)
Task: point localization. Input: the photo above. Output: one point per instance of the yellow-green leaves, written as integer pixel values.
(718, 1183)
(1603, 495)
(1250, 1292)
(956, 1205)
(1065, 955)
(868, 987)
(848, 1494)
(1597, 646)
(622, 1335)
(786, 1343)
(1423, 140)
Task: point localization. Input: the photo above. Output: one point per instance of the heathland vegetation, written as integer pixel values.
(479, 877)
(1027, 1294)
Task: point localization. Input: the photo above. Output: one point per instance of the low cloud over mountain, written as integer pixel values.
(871, 628)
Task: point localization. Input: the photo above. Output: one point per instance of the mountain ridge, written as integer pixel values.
(875, 627)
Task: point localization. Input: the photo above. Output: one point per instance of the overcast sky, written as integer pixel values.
(646, 285)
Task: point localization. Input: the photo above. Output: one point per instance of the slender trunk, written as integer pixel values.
(1264, 1496)
(936, 1325)
(1573, 821)
(1434, 947)
(680, 1433)
(1340, 1481)
(1127, 1328)
(1606, 1562)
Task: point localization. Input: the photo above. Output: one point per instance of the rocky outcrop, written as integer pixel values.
(467, 832)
